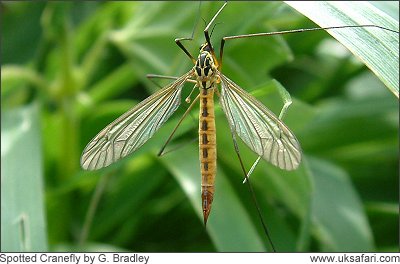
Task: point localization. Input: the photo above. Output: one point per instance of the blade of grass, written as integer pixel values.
(22, 220)
(378, 49)
(340, 221)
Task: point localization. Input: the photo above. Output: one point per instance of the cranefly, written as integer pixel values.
(257, 126)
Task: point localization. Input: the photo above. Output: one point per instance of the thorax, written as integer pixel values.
(205, 70)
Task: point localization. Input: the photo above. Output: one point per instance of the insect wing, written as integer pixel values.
(258, 127)
(131, 130)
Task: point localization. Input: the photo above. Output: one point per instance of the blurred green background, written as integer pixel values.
(68, 69)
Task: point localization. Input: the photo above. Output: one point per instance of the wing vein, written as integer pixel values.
(132, 129)
(258, 127)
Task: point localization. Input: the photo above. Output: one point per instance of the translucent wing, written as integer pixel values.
(258, 127)
(131, 130)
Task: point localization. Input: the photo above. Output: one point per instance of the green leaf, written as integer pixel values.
(375, 47)
(340, 221)
(22, 205)
(360, 134)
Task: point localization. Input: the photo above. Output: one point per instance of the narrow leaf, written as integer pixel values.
(377, 48)
(22, 205)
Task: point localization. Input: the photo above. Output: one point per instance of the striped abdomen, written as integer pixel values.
(208, 151)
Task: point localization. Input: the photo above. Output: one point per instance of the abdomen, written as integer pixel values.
(208, 151)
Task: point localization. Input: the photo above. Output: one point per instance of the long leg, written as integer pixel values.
(151, 77)
(93, 206)
(221, 51)
(178, 40)
(287, 101)
(246, 179)
(161, 152)
(209, 25)
(251, 189)
(207, 36)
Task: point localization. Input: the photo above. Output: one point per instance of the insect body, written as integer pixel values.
(205, 71)
(258, 127)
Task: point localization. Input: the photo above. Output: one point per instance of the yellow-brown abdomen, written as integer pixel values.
(208, 152)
